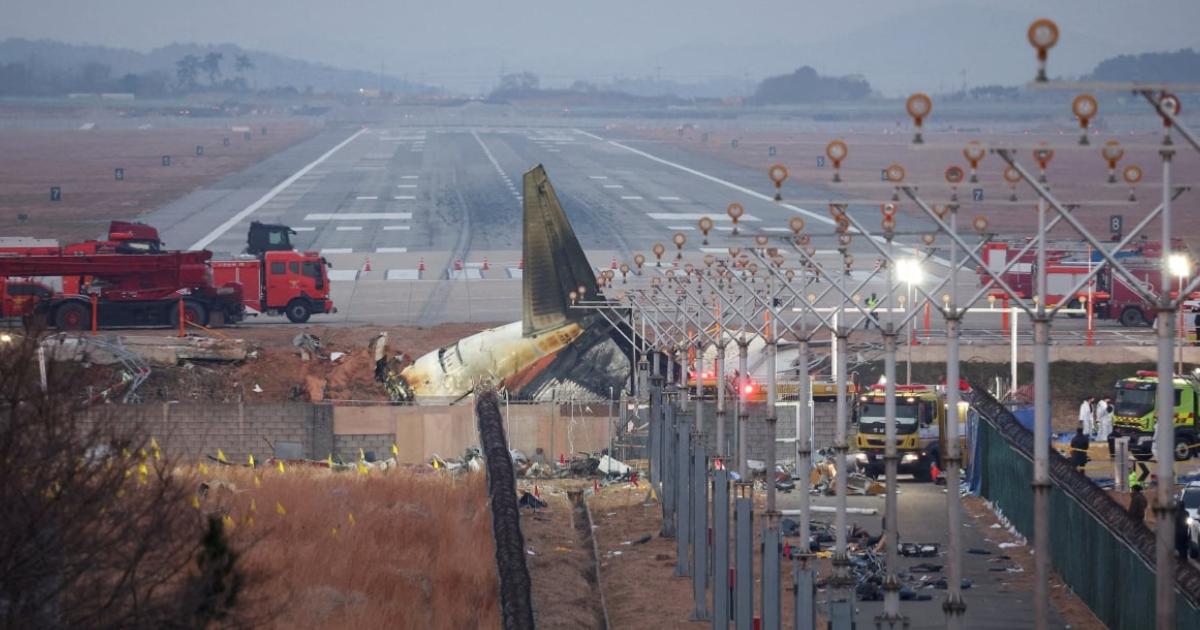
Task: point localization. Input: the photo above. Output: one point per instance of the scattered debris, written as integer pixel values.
(527, 500)
(919, 550)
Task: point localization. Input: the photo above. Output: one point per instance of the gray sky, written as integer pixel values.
(898, 45)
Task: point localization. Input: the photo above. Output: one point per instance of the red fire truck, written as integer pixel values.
(1113, 295)
(277, 279)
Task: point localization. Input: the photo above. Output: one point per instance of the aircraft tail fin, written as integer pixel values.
(555, 264)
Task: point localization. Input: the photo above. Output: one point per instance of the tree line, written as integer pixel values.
(193, 73)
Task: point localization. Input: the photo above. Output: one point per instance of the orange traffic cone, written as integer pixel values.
(421, 264)
(934, 472)
(458, 264)
(521, 264)
(613, 263)
(367, 264)
(485, 263)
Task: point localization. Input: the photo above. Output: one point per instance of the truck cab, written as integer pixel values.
(19, 298)
(920, 425)
(290, 283)
(1134, 416)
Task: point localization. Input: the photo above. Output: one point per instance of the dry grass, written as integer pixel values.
(388, 549)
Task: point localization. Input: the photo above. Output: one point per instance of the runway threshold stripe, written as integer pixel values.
(358, 216)
(262, 201)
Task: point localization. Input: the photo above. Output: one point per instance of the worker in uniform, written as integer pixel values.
(1087, 415)
(1103, 425)
(1079, 449)
(872, 304)
(1137, 503)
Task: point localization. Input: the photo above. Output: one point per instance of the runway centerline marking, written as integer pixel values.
(393, 228)
(613, 186)
(495, 164)
(406, 185)
(630, 197)
(367, 197)
(668, 198)
(280, 187)
(597, 176)
(337, 250)
(358, 216)
(404, 197)
(410, 176)
(349, 228)
(304, 229)
(391, 250)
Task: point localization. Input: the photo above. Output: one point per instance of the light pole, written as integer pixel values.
(1180, 267)
(909, 270)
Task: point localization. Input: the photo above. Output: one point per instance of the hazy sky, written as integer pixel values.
(897, 44)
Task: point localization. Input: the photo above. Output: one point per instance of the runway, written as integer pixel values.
(422, 222)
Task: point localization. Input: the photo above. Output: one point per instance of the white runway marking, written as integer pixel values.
(694, 216)
(403, 274)
(367, 168)
(404, 197)
(597, 176)
(668, 198)
(337, 250)
(367, 197)
(349, 228)
(304, 229)
(816, 216)
(262, 201)
(410, 176)
(390, 250)
(406, 185)
(495, 164)
(613, 186)
(358, 216)
(395, 228)
(342, 275)
(630, 197)
(681, 227)
(775, 229)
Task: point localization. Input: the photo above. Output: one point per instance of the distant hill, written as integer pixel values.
(49, 66)
(804, 85)
(1181, 66)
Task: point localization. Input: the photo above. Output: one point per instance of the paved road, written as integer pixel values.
(991, 602)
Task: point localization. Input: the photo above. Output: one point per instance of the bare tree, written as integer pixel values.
(97, 526)
(212, 66)
(242, 63)
(186, 70)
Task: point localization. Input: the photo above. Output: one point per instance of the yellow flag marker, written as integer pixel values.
(279, 463)
(362, 468)
(153, 443)
(228, 521)
(125, 453)
(350, 517)
(221, 457)
(257, 481)
(334, 532)
(329, 460)
(279, 509)
(253, 506)
(395, 450)
(249, 520)
(143, 453)
(196, 502)
(436, 464)
(203, 468)
(250, 458)
(362, 457)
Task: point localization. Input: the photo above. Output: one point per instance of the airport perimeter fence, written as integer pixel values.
(1103, 555)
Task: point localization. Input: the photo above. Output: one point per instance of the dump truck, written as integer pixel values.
(920, 427)
(277, 279)
(1135, 414)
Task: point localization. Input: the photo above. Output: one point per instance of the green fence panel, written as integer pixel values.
(1101, 553)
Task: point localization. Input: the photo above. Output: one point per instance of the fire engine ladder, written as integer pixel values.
(135, 369)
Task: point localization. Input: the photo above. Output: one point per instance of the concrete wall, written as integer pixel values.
(193, 431)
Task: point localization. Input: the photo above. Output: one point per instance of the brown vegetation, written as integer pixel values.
(83, 163)
(383, 549)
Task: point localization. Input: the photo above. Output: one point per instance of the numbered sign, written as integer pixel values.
(119, 174)
(55, 193)
(820, 161)
(166, 160)
(1116, 224)
(225, 142)
(977, 194)
(199, 150)
(771, 150)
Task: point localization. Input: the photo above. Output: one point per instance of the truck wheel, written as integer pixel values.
(72, 316)
(298, 311)
(1074, 304)
(1132, 316)
(194, 312)
(1183, 448)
